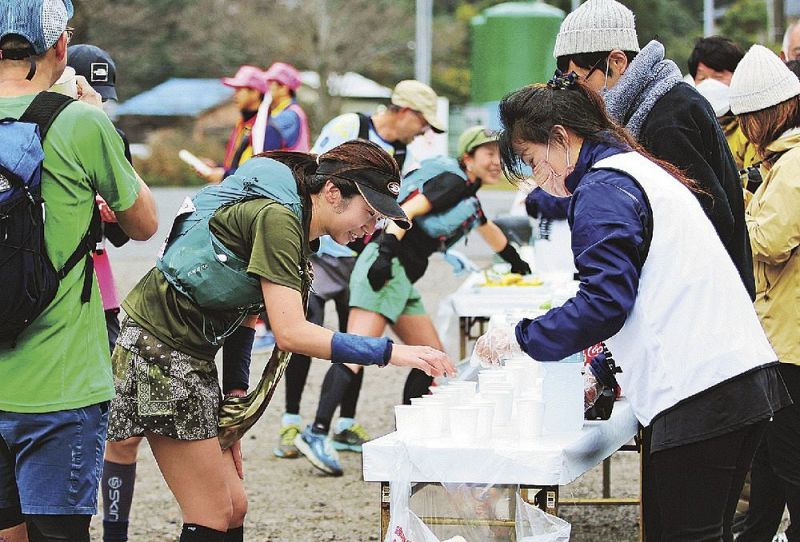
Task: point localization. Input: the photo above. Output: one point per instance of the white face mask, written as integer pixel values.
(546, 177)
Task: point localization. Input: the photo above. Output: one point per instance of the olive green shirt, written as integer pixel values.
(263, 232)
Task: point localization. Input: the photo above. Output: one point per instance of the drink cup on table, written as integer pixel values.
(408, 421)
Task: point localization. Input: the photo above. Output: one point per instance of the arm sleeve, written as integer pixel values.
(687, 147)
(773, 220)
(444, 191)
(607, 236)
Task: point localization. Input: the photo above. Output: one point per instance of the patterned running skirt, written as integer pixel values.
(161, 390)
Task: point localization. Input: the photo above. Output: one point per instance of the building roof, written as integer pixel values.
(177, 98)
(191, 97)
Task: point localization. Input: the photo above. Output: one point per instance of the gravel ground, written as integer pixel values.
(289, 500)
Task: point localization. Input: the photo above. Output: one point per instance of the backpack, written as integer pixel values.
(204, 270)
(449, 225)
(400, 150)
(29, 279)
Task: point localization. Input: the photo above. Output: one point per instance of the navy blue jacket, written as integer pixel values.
(609, 217)
(540, 204)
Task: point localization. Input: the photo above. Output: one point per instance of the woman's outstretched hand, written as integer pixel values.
(425, 358)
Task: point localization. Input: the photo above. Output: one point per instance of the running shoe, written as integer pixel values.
(351, 438)
(286, 448)
(317, 449)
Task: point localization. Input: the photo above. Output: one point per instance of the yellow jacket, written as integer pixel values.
(773, 221)
(744, 152)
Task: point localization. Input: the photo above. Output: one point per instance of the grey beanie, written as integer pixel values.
(761, 80)
(597, 26)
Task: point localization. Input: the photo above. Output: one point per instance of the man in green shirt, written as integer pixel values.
(56, 383)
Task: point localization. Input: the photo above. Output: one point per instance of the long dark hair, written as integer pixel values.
(530, 113)
(350, 155)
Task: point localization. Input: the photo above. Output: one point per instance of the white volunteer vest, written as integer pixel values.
(693, 324)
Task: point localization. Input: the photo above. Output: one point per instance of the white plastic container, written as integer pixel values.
(562, 393)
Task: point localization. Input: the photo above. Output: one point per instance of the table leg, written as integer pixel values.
(385, 503)
(607, 478)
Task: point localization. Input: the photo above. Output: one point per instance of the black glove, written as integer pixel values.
(518, 265)
(381, 270)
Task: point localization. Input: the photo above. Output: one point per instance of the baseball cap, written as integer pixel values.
(247, 77)
(283, 73)
(41, 22)
(419, 97)
(96, 66)
(378, 187)
(474, 137)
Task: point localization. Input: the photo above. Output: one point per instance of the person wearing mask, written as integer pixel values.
(440, 198)
(711, 66)
(412, 113)
(56, 381)
(765, 96)
(657, 287)
(645, 92)
(249, 87)
(252, 236)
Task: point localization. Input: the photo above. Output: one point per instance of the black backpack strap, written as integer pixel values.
(44, 109)
(363, 126)
(363, 133)
(399, 154)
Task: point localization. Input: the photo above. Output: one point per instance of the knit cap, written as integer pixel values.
(597, 26)
(761, 80)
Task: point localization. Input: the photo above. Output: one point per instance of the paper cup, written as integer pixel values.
(409, 420)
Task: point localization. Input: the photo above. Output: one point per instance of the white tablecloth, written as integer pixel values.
(550, 460)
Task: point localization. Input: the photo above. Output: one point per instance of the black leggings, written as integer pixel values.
(689, 493)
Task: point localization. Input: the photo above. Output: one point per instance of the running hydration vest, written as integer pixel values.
(197, 264)
(452, 224)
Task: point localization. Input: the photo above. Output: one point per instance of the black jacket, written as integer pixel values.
(682, 129)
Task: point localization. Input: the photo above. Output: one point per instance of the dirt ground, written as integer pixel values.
(289, 500)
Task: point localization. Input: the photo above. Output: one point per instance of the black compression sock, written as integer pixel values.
(295, 378)
(192, 532)
(350, 399)
(337, 380)
(117, 487)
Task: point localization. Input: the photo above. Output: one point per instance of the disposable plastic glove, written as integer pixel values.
(495, 345)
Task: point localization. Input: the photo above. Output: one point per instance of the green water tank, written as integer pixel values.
(512, 46)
